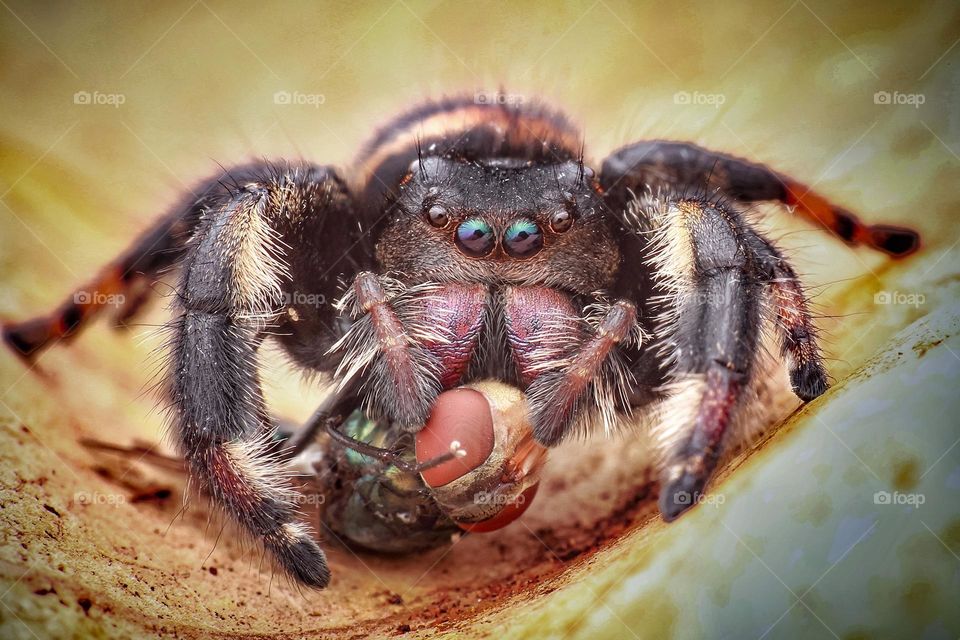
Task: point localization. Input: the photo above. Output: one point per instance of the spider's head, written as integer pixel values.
(503, 220)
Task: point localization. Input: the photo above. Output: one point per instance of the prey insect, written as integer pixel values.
(477, 243)
(373, 485)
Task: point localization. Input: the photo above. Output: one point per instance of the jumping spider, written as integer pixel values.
(480, 245)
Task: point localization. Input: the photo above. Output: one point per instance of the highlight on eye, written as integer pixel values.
(523, 238)
(475, 237)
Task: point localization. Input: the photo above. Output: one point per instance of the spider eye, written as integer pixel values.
(523, 238)
(561, 221)
(437, 216)
(475, 237)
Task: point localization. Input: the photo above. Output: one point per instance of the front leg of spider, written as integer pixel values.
(239, 271)
(716, 272)
(715, 324)
(712, 281)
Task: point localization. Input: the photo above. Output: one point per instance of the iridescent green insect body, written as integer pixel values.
(376, 505)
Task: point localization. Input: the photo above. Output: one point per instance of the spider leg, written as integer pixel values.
(665, 165)
(257, 247)
(124, 284)
(708, 333)
(799, 345)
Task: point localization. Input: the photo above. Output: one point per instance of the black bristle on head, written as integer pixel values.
(580, 163)
(423, 171)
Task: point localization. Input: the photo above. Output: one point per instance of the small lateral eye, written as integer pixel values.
(475, 237)
(437, 216)
(561, 221)
(522, 238)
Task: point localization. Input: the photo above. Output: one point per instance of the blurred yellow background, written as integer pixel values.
(111, 109)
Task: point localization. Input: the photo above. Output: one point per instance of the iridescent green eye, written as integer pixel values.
(475, 237)
(523, 238)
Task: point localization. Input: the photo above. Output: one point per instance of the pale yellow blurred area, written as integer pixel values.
(110, 110)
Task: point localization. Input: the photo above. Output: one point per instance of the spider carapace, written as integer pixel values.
(472, 241)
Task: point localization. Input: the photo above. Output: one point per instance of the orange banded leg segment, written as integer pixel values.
(106, 292)
(892, 240)
(123, 286)
(684, 168)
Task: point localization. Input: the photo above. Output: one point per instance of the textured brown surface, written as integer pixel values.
(91, 546)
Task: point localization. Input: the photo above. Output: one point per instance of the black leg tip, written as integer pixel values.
(809, 381)
(17, 338)
(895, 241)
(304, 561)
(680, 493)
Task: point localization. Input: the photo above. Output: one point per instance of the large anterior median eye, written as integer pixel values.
(523, 238)
(475, 237)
